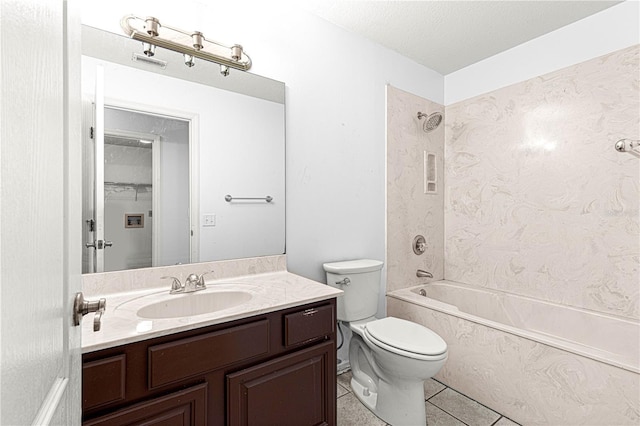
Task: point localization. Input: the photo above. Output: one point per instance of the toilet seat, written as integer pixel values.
(405, 338)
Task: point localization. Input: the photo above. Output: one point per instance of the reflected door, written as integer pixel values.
(99, 243)
(138, 206)
(140, 215)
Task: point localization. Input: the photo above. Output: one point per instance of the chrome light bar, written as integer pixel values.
(191, 43)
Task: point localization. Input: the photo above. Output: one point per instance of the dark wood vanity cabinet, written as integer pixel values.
(272, 369)
(290, 390)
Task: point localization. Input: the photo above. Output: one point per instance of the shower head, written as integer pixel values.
(431, 122)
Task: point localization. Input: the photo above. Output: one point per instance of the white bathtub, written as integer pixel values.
(534, 361)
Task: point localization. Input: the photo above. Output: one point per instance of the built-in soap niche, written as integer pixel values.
(430, 173)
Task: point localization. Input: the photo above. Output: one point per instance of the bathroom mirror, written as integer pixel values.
(180, 164)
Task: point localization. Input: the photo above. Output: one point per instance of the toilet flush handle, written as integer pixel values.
(346, 281)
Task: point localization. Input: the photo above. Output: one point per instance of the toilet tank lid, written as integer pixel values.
(353, 266)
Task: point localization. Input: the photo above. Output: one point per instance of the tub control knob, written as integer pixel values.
(419, 245)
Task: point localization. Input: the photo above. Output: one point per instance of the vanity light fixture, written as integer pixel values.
(148, 49)
(189, 60)
(192, 44)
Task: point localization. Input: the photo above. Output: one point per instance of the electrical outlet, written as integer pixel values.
(209, 220)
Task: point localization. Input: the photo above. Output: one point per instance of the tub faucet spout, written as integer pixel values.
(423, 274)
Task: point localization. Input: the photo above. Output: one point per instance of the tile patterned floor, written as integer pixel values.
(444, 406)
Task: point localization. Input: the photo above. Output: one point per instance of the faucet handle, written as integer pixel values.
(201, 283)
(175, 284)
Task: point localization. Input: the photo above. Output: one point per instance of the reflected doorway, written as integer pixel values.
(143, 204)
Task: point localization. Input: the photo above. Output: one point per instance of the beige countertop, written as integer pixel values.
(270, 292)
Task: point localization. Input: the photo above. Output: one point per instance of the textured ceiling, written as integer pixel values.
(449, 35)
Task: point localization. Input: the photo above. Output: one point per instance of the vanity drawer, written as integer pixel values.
(309, 324)
(180, 359)
(185, 407)
(103, 381)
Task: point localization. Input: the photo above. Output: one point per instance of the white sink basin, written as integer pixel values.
(190, 304)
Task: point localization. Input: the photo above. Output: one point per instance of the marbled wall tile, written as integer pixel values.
(527, 381)
(537, 201)
(410, 211)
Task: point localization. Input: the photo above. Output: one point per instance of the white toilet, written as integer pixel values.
(390, 358)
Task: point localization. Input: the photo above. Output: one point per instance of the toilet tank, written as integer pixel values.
(360, 298)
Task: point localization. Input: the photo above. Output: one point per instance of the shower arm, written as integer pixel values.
(237, 59)
(628, 145)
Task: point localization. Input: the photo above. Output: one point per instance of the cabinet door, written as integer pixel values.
(187, 407)
(298, 389)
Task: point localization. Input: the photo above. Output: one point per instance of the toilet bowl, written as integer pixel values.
(389, 372)
(390, 358)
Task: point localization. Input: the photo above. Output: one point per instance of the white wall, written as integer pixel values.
(335, 113)
(613, 29)
(336, 138)
(174, 180)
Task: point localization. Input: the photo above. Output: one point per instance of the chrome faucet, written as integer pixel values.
(423, 274)
(176, 287)
(193, 283)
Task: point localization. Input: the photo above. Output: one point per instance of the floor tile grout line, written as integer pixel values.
(346, 390)
(468, 397)
(441, 408)
(493, 411)
(342, 396)
(492, 424)
(441, 390)
(465, 396)
(500, 416)
(445, 411)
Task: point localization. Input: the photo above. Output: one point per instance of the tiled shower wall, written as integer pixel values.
(538, 202)
(410, 211)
